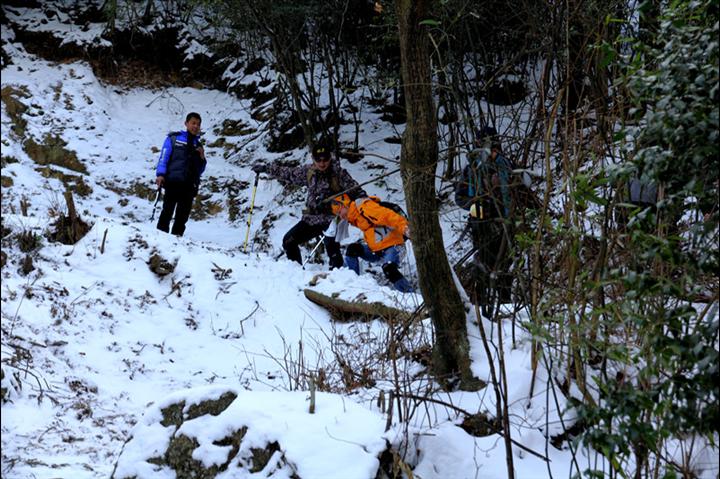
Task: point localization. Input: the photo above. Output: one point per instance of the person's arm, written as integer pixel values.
(462, 195)
(163, 161)
(202, 161)
(294, 175)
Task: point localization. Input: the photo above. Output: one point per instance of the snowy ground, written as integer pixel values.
(95, 337)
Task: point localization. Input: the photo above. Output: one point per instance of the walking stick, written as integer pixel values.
(312, 252)
(252, 205)
(157, 199)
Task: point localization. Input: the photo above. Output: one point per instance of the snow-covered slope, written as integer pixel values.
(91, 336)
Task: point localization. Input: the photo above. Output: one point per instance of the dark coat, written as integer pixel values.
(320, 185)
(486, 182)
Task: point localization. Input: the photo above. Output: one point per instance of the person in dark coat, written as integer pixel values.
(182, 161)
(484, 190)
(324, 178)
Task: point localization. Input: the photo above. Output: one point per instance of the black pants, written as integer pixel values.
(492, 256)
(487, 236)
(303, 232)
(178, 199)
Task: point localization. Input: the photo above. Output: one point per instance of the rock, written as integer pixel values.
(10, 385)
(286, 141)
(394, 113)
(178, 457)
(216, 431)
(506, 91)
(160, 266)
(481, 425)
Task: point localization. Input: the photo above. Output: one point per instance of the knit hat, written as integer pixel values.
(339, 202)
(321, 150)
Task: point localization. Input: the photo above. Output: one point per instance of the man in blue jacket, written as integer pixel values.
(182, 161)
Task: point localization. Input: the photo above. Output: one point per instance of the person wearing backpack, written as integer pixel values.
(484, 191)
(182, 161)
(323, 179)
(384, 231)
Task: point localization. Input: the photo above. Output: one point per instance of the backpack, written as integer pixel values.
(396, 208)
(492, 187)
(393, 206)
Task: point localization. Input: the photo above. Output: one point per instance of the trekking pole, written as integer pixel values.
(252, 205)
(157, 200)
(312, 252)
(334, 195)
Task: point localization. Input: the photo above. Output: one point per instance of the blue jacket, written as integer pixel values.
(178, 162)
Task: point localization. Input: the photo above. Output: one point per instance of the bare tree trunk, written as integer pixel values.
(418, 162)
(147, 15)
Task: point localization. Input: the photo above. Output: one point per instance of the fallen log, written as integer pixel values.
(343, 310)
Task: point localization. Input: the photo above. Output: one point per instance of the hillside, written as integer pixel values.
(102, 338)
(92, 337)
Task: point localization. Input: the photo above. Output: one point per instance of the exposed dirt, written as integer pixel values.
(135, 58)
(52, 151)
(15, 108)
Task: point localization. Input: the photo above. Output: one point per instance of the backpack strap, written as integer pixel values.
(359, 204)
(173, 136)
(334, 180)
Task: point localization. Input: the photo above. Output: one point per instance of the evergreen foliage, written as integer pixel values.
(661, 387)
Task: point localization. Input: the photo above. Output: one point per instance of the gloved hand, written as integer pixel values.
(259, 168)
(476, 211)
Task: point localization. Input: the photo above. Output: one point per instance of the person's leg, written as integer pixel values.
(297, 235)
(475, 233)
(489, 255)
(355, 252)
(495, 245)
(168, 208)
(332, 248)
(391, 259)
(504, 264)
(483, 241)
(182, 211)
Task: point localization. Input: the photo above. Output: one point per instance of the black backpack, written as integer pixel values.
(393, 206)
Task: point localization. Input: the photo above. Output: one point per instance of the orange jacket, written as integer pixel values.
(381, 226)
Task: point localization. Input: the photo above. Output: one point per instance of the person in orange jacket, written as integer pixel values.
(384, 231)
